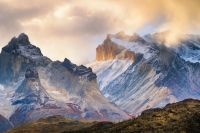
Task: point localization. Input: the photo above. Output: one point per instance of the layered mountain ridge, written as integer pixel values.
(33, 87)
(159, 74)
(79, 70)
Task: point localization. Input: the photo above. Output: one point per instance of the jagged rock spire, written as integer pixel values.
(79, 70)
(23, 39)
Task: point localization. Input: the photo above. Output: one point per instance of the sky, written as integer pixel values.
(74, 28)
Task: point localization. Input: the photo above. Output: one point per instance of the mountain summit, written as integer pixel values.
(16, 57)
(22, 46)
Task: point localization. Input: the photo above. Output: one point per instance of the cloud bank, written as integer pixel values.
(73, 28)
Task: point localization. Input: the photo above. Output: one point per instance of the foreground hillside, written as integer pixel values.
(52, 124)
(178, 117)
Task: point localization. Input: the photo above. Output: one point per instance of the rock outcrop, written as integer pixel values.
(31, 90)
(79, 70)
(126, 54)
(110, 50)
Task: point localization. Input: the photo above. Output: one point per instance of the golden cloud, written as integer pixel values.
(66, 27)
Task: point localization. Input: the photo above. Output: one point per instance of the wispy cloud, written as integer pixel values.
(73, 28)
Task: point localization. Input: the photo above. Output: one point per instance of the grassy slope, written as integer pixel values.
(52, 124)
(174, 118)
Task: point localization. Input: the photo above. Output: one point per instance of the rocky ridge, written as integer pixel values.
(110, 50)
(79, 70)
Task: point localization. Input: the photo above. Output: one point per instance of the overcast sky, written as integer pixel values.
(74, 28)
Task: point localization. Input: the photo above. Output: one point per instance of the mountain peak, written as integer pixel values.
(121, 35)
(23, 39)
(22, 46)
(136, 38)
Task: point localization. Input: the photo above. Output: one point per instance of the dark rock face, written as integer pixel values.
(16, 57)
(31, 73)
(79, 70)
(5, 125)
(15, 43)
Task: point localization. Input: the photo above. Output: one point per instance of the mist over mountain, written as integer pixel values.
(160, 72)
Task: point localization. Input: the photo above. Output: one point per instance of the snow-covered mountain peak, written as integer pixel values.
(160, 74)
(22, 46)
(127, 38)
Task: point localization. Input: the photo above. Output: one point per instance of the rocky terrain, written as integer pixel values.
(131, 74)
(33, 86)
(33, 102)
(158, 75)
(78, 86)
(79, 70)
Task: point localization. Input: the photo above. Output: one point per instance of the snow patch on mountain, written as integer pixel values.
(108, 70)
(136, 47)
(1, 87)
(189, 53)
